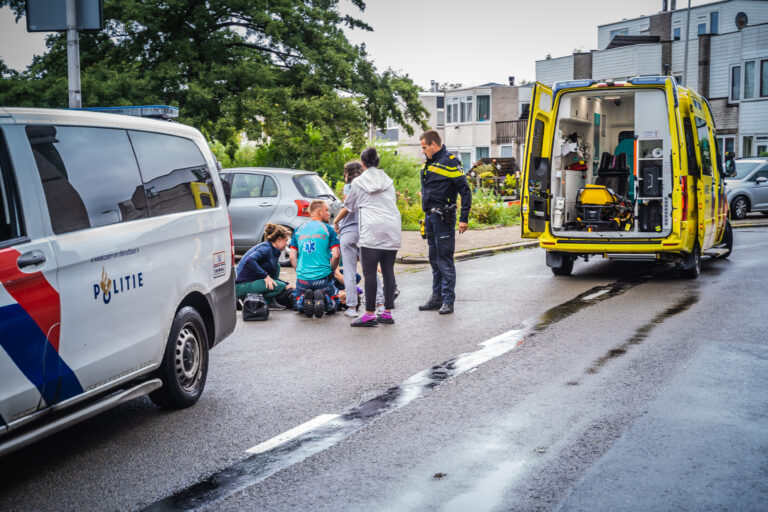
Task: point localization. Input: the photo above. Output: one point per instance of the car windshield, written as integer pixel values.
(743, 169)
(312, 185)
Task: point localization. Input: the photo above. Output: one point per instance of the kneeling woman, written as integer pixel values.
(259, 270)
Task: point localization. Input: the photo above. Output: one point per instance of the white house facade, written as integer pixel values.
(727, 62)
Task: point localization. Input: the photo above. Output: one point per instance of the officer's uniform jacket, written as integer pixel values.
(442, 180)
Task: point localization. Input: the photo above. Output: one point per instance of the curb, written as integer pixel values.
(476, 253)
(750, 224)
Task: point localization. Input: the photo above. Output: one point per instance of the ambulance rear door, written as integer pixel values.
(537, 163)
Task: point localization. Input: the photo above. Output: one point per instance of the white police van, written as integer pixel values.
(116, 266)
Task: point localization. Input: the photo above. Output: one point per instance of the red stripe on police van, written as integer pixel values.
(34, 294)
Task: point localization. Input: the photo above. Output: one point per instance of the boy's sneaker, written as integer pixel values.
(386, 318)
(351, 312)
(319, 303)
(309, 303)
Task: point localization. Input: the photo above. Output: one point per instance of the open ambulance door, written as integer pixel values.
(537, 165)
(705, 193)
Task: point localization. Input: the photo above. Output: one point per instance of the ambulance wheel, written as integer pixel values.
(565, 268)
(691, 266)
(185, 363)
(727, 242)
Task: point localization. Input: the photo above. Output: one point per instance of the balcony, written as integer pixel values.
(508, 132)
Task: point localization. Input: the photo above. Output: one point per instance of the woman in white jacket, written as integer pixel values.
(372, 196)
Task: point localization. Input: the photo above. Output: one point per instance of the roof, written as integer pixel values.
(266, 169)
(680, 9)
(25, 115)
(620, 41)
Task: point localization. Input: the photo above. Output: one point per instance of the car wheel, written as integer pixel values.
(739, 207)
(727, 242)
(285, 256)
(185, 363)
(691, 266)
(565, 268)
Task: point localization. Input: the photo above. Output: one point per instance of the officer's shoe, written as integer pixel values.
(432, 304)
(446, 309)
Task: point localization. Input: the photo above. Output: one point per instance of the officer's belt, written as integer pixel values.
(448, 172)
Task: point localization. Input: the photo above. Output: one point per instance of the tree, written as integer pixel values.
(277, 70)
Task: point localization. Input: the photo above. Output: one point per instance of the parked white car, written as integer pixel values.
(116, 266)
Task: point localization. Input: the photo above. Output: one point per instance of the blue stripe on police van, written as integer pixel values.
(33, 354)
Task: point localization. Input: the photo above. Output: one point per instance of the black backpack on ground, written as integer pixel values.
(255, 308)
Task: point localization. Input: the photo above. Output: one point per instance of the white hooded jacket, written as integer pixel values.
(372, 195)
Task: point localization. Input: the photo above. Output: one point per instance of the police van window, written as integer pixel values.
(11, 225)
(176, 177)
(246, 185)
(705, 146)
(690, 145)
(89, 176)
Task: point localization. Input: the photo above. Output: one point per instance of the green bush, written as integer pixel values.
(403, 169)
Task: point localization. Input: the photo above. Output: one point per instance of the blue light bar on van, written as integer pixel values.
(572, 84)
(649, 80)
(153, 111)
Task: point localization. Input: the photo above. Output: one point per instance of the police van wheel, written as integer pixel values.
(185, 363)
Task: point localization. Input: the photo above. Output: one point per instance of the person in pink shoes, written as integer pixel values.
(372, 196)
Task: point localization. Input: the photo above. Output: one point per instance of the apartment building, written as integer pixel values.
(480, 122)
(727, 62)
(396, 135)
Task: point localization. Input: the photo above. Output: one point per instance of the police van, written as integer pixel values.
(624, 170)
(116, 266)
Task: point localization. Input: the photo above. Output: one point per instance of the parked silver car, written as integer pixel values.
(280, 196)
(747, 190)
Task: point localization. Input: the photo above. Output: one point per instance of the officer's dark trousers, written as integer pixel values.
(441, 238)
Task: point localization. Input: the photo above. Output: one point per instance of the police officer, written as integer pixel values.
(442, 180)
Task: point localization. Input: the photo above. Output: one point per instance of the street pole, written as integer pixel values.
(73, 56)
(687, 37)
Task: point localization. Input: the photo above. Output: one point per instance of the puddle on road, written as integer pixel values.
(642, 333)
(261, 466)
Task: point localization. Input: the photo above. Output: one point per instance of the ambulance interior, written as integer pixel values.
(611, 167)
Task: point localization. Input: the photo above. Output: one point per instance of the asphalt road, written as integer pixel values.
(621, 387)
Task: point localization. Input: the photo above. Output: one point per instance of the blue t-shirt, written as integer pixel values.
(313, 241)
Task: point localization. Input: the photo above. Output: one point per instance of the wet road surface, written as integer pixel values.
(539, 393)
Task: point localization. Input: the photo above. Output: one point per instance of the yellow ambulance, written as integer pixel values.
(624, 170)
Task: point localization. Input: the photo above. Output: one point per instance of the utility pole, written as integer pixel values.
(73, 56)
(687, 37)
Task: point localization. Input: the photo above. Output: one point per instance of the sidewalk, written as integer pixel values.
(472, 243)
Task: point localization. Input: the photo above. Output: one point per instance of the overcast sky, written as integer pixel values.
(457, 41)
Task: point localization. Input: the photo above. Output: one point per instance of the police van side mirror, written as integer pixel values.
(761, 180)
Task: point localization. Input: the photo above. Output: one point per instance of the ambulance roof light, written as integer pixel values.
(572, 84)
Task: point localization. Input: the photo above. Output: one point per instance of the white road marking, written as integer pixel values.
(291, 434)
(595, 295)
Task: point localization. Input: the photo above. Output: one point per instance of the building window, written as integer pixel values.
(735, 83)
(482, 153)
(441, 102)
(749, 80)
(714, 22)
(440, 118)
(746, 146)
(702, 28)
(619, 32)
(484, 108)
(676, 33)
(764, 78)
(525, 109)
(460, 109)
